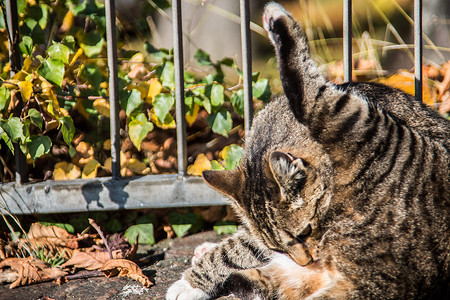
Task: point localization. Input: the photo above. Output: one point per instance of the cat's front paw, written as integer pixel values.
(200, 250)
(182, 290)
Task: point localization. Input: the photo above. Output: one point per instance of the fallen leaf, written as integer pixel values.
(125, 268)
(102, 106)
(66, 171)
(91, 260)
(200, 164)
(30, 270)
(90, 169)
(39, 230)
(138, 167)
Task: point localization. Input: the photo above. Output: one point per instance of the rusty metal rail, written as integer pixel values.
(153, 191)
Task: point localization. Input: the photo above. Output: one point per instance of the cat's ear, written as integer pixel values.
(228, 182)
(289, 172)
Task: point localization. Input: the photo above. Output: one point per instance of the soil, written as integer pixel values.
(163, 264)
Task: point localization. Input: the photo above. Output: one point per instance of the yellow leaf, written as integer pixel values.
(136, 59)
(154, 89)
(169, 122)
(65, 171)
(142, 87)
(27, 64)
(26, 89)
(223, 152)
(138, 167)
(67, 21)
(191, 118)
(102, 106)
(200, 164)
(90, 169)
(107, 165)
(7, 67)
(76, 56)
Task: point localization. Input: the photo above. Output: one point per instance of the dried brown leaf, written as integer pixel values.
(125, 268)
(30, 271)
(90, 260)
(42, 235)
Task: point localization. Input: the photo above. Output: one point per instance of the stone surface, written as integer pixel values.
(164, 264)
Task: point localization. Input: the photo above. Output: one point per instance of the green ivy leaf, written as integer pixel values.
(145, 232)
(69, 41)
(157, 53)
(261, 90)
(59, 51)
(166, 74)
(138, 130)
(217, 96)
(234, 155)
(14, 129)
(7, 140)
(162, 105)
(35, 117)
(225, 227)
(26, 45)
(216, 166)
(237, 100)
(52, 70)
(31, 28)
(182, 223)
(39, 145)
(130, 101)
(113, 225)
(92, 74)
(220, 122)
(5, 97)
(255, 76)
(91, 42)
(202, 58)
(67, 129)
(227, 61)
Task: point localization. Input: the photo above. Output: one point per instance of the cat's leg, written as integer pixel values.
(205, 278)
(283, 279)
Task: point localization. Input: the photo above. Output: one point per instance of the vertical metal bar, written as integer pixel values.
(246, 44)
(347, 40)
(12, 21)
(418, 46)
(111, 41)
(179, 87)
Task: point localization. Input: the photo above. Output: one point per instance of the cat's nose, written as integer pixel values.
(300, 254)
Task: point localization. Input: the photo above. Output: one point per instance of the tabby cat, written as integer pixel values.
(343, 190)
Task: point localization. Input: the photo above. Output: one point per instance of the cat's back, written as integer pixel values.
(405, 107)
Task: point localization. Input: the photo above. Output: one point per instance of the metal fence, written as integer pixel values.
(152, 191)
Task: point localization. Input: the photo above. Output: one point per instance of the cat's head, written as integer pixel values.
(280, 200)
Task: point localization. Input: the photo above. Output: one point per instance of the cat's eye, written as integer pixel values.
(304, 234)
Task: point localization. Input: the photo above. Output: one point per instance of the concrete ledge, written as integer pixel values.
(154, 191)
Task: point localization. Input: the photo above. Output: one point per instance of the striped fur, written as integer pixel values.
(344, 188)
